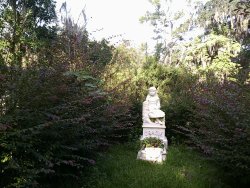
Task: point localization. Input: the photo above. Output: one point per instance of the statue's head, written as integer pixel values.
(152, 91)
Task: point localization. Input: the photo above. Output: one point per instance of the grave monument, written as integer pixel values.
(153, 127)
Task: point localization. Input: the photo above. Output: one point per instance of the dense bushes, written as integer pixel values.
(57, 134)
(220, 126)
(213, 117)
(55, 115)
(55, 120)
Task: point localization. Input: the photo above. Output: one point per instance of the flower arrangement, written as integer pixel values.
(152, 142)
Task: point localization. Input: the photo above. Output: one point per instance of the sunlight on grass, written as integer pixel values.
(183, 168)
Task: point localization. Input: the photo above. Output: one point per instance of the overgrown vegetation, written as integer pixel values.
(65, 98)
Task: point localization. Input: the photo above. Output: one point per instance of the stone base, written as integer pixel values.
(157, 155)
(154, 154)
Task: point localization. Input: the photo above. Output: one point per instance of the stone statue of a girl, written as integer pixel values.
(151, 107)
(153, 127)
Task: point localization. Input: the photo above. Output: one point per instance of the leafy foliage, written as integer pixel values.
(54, 114)
(152, 142)
(64, 98)
(79, 123)
(220, 127)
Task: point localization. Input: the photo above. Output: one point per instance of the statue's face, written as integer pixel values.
(152, 92)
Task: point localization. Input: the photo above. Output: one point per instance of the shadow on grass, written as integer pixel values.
(183, 168)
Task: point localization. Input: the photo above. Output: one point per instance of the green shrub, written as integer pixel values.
(220, 127)
(152, 142)
(57, 135)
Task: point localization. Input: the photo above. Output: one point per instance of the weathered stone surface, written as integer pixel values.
(158, 132)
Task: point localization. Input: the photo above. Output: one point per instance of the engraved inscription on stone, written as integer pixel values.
(153, 133)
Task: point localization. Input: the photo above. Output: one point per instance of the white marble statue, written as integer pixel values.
(151, 108)
(153, 126)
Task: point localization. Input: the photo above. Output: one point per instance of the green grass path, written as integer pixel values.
(118, 168)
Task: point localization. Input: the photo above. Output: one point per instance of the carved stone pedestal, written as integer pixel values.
(154, 154)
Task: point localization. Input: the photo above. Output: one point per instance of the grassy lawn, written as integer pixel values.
(119, 168)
